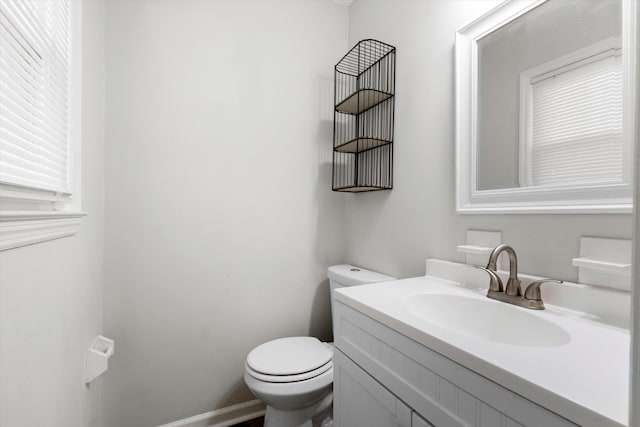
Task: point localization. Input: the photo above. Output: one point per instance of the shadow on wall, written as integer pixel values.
(328, 244)
(319, 327)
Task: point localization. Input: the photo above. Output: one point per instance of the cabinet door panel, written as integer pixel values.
(360, 401)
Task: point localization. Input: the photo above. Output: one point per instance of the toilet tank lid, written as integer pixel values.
(350, 275)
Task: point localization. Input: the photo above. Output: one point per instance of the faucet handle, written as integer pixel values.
(533, 290)
(495, 283)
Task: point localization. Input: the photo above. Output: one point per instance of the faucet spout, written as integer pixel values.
(513, 284)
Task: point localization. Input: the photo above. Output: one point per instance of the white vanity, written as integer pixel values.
(434, 351)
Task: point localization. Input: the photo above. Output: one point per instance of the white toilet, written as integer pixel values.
(294, 376)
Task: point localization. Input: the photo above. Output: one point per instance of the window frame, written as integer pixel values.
(32, 215)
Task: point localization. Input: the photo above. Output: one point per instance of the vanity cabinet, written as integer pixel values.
(384, 379)
(361, 401)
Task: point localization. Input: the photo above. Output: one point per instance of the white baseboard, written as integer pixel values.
(223, 417)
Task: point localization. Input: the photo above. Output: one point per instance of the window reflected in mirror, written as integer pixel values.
(550, 97)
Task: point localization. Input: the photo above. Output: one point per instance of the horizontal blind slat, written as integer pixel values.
(30, 88)
(560, 87)
(34, 93)
(570, 133)
(13, 143)
(584, 73)
(33, 17)
(48, 125)
(31, 126)
(18, 48)
(32, 75)
(33, 166)
(577, 124)
(59, 87)
(30, 141)
(25, 22)
(550, 108)
(30, 169)
(10, 173)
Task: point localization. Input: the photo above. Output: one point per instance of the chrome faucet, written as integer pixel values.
(532, 297)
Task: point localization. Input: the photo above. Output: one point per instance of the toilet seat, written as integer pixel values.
(290, 359)
(290, 378)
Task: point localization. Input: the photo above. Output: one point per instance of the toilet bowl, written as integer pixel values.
(294, 376)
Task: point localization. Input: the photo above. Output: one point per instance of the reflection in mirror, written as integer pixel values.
(545, 107)
(550, 97)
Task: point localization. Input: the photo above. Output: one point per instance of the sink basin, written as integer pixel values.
(486, 319)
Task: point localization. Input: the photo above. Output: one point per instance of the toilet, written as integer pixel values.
(294, 376)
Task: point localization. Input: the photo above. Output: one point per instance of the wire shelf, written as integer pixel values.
(364, 98)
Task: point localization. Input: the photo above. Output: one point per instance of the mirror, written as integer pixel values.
(545, 100)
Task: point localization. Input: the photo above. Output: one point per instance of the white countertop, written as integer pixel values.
(585, 380)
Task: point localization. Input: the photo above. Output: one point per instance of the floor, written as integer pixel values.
(257, 422)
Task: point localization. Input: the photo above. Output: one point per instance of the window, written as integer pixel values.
(39, 126)
(572, 130)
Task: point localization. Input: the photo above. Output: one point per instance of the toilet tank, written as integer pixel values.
(348, 275)
(344, 275)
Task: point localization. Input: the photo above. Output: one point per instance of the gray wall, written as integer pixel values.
(396, 231)
(220, 217)
(51, 293)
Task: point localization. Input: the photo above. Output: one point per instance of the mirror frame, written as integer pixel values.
(583, 198)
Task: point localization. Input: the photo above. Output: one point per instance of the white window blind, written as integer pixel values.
(35, 94)
(576, 123)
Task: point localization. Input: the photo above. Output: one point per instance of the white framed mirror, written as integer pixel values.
(545, 108)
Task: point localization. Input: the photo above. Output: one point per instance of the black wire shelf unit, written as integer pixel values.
(363, 117)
